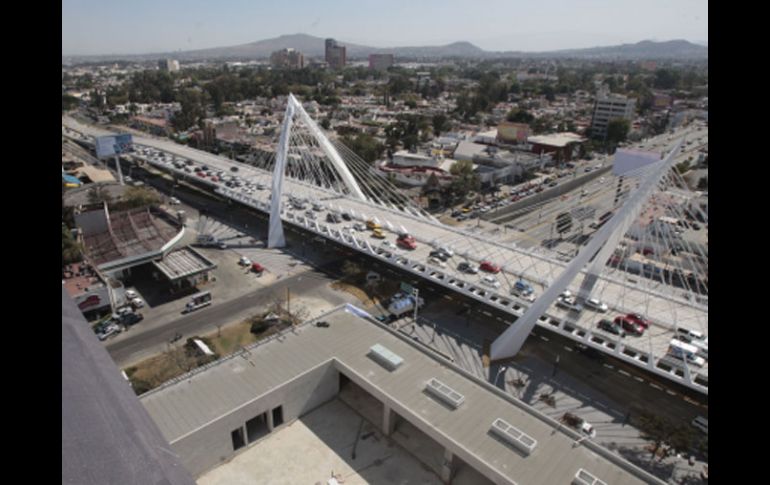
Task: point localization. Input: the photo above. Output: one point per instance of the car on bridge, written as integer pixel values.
(569, 303)
(611, 327)
(406, 241)
(437, 262)
(388, 245)
(523, 290)
(490, 281)
(467, 267)
(489, 267)
(629, 326)
(594, 304)
(639, 319)
(333, 218)
(439, 255)
(377, 233)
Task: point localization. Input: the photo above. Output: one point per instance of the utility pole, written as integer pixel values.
(416, 295)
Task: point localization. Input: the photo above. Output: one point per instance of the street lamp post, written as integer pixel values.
(555, 366)
(499, 372)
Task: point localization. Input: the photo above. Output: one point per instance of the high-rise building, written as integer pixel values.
(380, 62)
(288, 59)
(168, 65)
(609, 107)
(335, 54)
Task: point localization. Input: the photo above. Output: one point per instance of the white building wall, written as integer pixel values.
(212, 444)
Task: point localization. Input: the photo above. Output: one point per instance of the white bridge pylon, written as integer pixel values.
(294, 110)
(512, 339)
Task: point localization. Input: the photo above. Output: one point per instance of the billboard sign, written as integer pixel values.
(107, 146)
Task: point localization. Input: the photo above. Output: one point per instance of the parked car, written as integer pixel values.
(137, 303)
(346, 216)
(131, 294)
(388, 245)
(257, 268)
(490, 281)
(611, 327)
(244, 261)
(597, 305)
(131, 319)
(489, 267)
(523, 290)
(630, 326)
(467, 267)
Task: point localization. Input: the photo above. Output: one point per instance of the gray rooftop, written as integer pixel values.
(189, 403)
(182, 263)
(106, 435)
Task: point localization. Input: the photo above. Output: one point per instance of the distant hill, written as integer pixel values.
(312, 46)
(646, 49)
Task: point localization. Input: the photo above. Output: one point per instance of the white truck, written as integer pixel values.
(685, 351)
(402, 304)
(206, 240)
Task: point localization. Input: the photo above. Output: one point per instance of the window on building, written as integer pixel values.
(278, 416)
(237, 436)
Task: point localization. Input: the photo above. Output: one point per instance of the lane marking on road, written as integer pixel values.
(447, 297)
(621, 371)
(568, 348)
(638, 378)
(486, 313)
(669, 391)
(655, 386)
(544, 338)
(608, 365)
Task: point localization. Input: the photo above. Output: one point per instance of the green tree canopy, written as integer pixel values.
(617, 130)
(365, 146)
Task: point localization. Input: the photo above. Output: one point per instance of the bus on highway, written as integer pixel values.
(199, 300)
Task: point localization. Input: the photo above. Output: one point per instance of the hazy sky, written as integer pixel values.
(148, 26)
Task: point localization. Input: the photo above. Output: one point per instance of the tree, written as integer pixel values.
(617, 130)
(139, 197)
(519, 116)
(440, 124)
(68, 102)
(431, 184)
(655, 429)
(365, 146)
(563, 223)
(350, 269)
(71, 250)
(464, 178)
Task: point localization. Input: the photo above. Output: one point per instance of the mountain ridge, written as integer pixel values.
(312, 46)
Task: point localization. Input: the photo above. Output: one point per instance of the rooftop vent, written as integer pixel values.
(385, 357)
(582, 477)
(514, 436)
(444, 392)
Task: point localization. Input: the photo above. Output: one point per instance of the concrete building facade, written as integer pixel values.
(380, 62)
(335, 54)
(609, 107)
(287, 59)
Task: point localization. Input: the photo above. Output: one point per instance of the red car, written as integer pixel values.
(406, 241)
(257, 268)
(489, 267)
(636, 318)
(629, 325)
